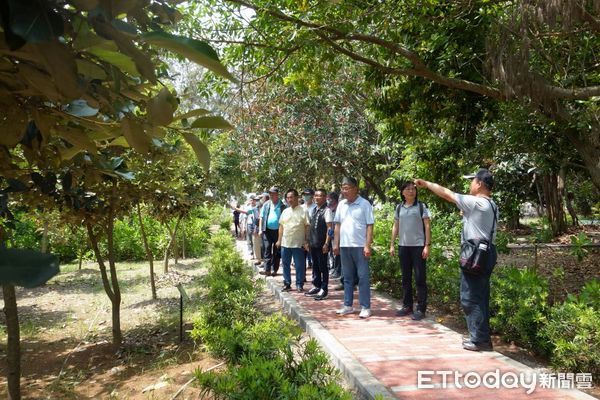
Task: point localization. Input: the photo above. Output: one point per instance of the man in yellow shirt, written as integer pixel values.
(293, 239)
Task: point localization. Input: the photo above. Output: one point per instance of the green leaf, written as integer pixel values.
(135, 135)
(199, 148)
(120, 141)
(26, 268)
(115, 58)
(77, 138)
(34, 20)
(90, 70)
(12, 126)
(212, 123)
(160, 108)
(192, 49)
(194, 113)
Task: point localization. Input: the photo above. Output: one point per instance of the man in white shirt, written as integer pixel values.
(353, 237)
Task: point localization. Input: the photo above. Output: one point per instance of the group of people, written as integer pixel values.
(327, 234)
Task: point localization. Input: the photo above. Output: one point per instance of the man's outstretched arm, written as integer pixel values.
(436, 189)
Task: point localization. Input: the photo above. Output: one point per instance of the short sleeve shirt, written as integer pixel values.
(353, 219)
(274, 214)
(478, 217)
(411, 226)
(294, 222)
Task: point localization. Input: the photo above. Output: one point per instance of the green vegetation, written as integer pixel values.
(266, 357)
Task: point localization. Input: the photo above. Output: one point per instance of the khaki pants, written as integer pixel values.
(257, 246)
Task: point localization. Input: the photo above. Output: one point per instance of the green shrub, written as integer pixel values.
(519, 305)
(265, 358)
(25, 234)
(572, 334)
(590, 294)
(578, 242)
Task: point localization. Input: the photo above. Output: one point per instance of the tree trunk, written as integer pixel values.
(554, 203)
(116, 300)
(183, 238)
(172, 234)
(106, 283)
(13, 356)
(80, 258)
(149, 254)
(589, 149)
(44, 248)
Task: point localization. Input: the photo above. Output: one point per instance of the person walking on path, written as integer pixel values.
(293, 241)
(480, 214)
(269, 227)
(353, 237)
(321, 221)
(412, 225)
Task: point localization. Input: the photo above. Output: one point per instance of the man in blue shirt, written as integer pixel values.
(269, 227)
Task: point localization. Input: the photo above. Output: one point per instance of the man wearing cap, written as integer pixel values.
(352, 240)
(480, 214)
(269, 226)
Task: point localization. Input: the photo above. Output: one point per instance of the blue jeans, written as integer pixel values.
(355, 264)
(299, 263)
(475, 301)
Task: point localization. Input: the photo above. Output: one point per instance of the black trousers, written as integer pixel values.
(320, 268)
(411, 260)
(272, 253)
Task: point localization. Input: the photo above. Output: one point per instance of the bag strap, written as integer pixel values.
(421, 207)
(495, 218)
(494, 210)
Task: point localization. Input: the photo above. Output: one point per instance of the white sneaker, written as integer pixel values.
(320, 293)
(365, 313)
(345, 310)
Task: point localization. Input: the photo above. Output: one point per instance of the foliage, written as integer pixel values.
(578, 242)
(519, 305)
(266, 359)
(571, 333)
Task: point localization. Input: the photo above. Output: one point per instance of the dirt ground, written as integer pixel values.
(66, 333)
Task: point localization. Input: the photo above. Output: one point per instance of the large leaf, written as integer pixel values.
(161, 108)
(68, 153)
(135, 135)
(40, 82)
(12, 126)
(115, 58)
(194, 113)
(34, 20)
(90, 70)
(142, 61)
(60, 63)
(26, 268)
(200, 149)
(77, 137)
(212, 123)
(192, 49)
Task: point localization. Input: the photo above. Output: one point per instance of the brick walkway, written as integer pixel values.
(383, 354)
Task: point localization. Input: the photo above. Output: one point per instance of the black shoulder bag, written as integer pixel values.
(475, 253)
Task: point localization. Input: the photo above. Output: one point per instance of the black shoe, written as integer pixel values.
(321, 296)
(479, 346)
(265, 272)
(286, 288)
(339, 286)
(274, 273)
(312, 292)
(418, 315)
(404, 311)
(300, 289)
